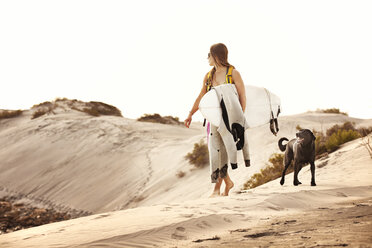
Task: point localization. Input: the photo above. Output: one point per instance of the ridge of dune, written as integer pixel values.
(344, 175)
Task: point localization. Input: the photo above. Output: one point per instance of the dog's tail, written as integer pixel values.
(281, 146)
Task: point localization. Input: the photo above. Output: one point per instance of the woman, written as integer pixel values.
(217, 57)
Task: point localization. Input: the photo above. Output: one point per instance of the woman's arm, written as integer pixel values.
(238, 81)
(195, 107)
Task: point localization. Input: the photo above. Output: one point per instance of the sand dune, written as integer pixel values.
(179, 223)
(75, 161)
(99, 165)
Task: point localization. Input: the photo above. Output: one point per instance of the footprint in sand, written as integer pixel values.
(262, 234)
(187, 215)
(34, 236)
(340, 194)
(243, 199)
(206, 224)
(179, 234)
(240, 230)
(289, 222)
(203, 225)
(227, 220)
(101, 216)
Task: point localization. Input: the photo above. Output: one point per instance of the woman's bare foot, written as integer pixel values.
(217, 187)
(229, 185)
(215, 194)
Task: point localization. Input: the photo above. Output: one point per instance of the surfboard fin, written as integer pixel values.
(234, 166)
(247, 163)
(274, 126)
(238, 134)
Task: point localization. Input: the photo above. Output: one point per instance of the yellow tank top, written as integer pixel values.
(228, 79)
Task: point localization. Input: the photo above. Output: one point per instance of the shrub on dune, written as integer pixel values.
(268, 173)
(38, 113)
(320, 147)
(180, 174)
(100, 108)
(92, 108)
(339, 138)
(95, 108)
(156, 118)
(42, 109)
(338, 135)
(332, 111)
(5, 114)
(199, 157)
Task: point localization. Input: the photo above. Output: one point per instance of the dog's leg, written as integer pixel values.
(298, 172)
(287, 162)
(295, 174)
(312, 174)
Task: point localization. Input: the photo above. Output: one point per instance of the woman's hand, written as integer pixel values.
(188, 121)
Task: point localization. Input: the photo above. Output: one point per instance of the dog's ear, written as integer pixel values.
(311, 133)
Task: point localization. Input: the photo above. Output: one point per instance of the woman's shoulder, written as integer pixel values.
(236, 77)
(206, 77)
(235, 72)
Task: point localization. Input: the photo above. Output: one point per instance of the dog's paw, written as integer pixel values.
(281, 182)
(313, 184)
(295, 183)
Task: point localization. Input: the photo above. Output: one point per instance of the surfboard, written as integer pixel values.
(261, 106)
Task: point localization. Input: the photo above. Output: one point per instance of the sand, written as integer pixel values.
(346, 224)
(122, 174)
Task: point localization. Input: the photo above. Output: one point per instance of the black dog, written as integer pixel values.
(302, 151)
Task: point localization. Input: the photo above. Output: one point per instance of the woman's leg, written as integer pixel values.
(223, 170)
(217, 188)
(229, 185)
(214, 144)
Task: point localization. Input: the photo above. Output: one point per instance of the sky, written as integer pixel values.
(148, 56)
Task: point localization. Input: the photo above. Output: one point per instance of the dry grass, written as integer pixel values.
(100, 108)
(366, 142)
(269, 173)
(90, 111)
(199, 157)
(331, 111)
(6, 114)
(46, 104)
(43, 108)
(92, 108)
(156, 118)
(38, 113)
(338, 135)
(181, 174)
